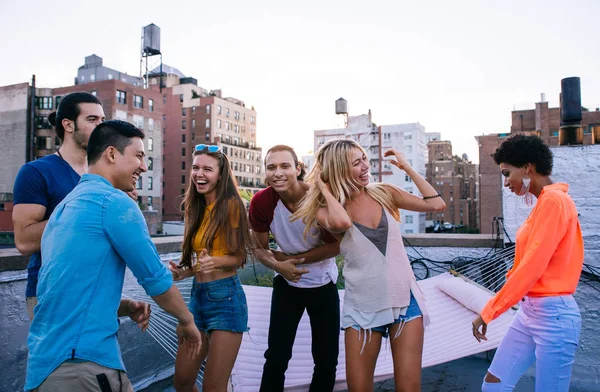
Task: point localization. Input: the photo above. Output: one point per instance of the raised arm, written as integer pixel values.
(333, 216)
(431, 201)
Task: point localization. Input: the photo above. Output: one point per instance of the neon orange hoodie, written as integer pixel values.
(548, 253)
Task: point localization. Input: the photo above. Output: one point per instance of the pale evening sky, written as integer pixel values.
(456, 67)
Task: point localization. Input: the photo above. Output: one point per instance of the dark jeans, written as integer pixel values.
(287, 306)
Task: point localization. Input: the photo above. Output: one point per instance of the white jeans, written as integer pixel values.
(545, 331)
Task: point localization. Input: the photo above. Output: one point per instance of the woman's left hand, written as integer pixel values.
(400, 162)
(207, 264)
(478, 322)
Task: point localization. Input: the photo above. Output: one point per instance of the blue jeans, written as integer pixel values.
(545, 331)
(219, 305)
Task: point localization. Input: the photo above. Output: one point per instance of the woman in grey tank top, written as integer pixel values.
(382, 296)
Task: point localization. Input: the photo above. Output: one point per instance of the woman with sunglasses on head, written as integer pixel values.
(382, 296)
(217, 235)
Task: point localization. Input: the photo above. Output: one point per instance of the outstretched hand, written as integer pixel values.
(400, 161)
(478, 322)
(189, 335)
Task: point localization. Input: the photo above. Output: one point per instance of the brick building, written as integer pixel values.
(543, 121)
(194, 115)
(455, 178)
(26, 134)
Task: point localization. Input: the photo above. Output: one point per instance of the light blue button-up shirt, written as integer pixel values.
(90, 237)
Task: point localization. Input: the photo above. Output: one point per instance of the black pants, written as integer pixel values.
(287, 306)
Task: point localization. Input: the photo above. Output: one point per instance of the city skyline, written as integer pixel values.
(456, 69)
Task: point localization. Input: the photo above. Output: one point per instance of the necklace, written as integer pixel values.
(59, 154)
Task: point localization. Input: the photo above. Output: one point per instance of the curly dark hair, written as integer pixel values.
(520, 149)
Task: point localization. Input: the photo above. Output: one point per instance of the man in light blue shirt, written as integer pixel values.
(92, 235)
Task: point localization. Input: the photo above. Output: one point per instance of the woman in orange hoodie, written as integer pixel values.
(548, 262)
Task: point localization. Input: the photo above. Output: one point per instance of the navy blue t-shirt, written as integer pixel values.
(46, 182)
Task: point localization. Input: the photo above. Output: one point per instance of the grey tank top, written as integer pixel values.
(379, 235)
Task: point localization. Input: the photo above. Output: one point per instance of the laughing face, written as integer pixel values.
(130, 165)
(281, 170)
(360, 170)
(205, 174)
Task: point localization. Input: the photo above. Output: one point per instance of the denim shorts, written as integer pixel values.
(219, 305)
(412, 313)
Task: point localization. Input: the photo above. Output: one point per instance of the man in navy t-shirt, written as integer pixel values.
(42, 184)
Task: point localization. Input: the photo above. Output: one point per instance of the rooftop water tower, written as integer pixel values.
(341, 107)
(151, 57)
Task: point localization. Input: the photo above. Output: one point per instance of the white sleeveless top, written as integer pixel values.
(377, 283)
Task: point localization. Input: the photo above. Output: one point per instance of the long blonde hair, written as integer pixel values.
(333, 161)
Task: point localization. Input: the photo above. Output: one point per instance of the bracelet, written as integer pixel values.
(431, 197)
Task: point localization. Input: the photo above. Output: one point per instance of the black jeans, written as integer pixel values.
(287, 306)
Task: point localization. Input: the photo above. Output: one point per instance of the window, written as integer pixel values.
(57, 101)
(164, 99)
(183, 152)
(180, 97)
(151, 105)
(138, 121)
(151, 124)
(44, 103)
(150, 163)
(41, 122)
(182, 165)
(150, 203)
(193, 123)
(138, 102)
(218, 109)
(183, 138)
(218, 123)
(150, 144)
(207, 108)
(407, 178)
(138, 184)
(227, 125)
(236, 128)
(407, 136)
(227, 112)
(183, 179)
(409, 219)
(207, 136)
(183, 124)
(150, 183)
(183, 111)
(252, 120)
(193, 136)
(236, 141)
(207, 123)
(408, 149)
(94, 93)
(409, 231)
(193, 110)
(121, 97)
(110, 76)
(237, 115)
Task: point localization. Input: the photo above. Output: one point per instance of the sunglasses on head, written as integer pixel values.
(209, 147)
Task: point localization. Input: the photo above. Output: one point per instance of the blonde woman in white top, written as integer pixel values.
(382, 296)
